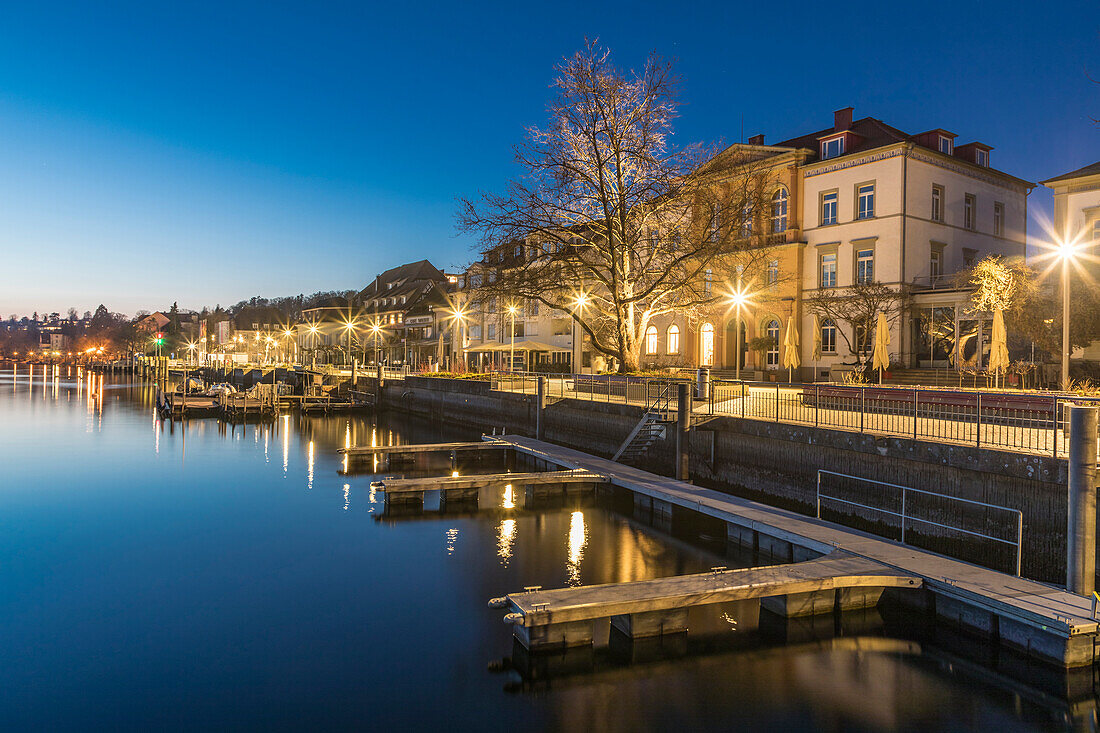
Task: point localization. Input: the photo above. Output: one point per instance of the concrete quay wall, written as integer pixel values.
(777, 464)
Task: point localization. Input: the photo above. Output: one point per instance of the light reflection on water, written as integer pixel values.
(212, 588)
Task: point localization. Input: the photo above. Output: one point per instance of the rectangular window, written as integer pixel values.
(828, 337)
(492, 331)
(865, 266)
(999, 219)
(832, 148)
(828, 207)
(945, 145)
(865, 201)
(982, 157)
(773, 272)
(715, 223)
(1096, 230)
(969, 255)
(935, 265)
(708, 282)
(475, 333)
(828, 270)
(937, 203)
(968, 211)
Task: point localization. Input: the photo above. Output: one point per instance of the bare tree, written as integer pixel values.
(616, 226)
(858, 306)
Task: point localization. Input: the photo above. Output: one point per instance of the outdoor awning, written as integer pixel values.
(534, 346)
(489, 347)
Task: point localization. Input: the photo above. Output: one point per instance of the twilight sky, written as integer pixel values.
(208, 152)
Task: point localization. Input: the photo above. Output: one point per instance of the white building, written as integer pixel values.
(909, 211)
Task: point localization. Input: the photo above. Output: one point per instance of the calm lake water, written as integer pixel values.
(159, 575)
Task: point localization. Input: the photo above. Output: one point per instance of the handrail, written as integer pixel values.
(1018, 543)
(1095, 598)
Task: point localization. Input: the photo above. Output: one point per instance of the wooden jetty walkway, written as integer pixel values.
(368, 450)
(566, 617)
(1041, 620)
(477, 481)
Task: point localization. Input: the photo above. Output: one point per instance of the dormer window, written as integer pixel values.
(832, 148)
(946, 145)
(981, 157)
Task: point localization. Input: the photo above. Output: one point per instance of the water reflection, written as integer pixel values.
(347, 494)
(506, 536)
(309, 467)
(452, 538)
(509, 501)
(578, 539)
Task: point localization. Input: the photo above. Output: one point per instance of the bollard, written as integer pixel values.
(683, 430)
(540, 405)
(1081, 531)
(702, 383)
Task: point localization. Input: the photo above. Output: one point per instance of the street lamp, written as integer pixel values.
(459, 315)
(287, 333)
(376, 331)
(738, 298)
(512, 349)
(579, 302)
(349, 326)
(313, 343)
(191, 346)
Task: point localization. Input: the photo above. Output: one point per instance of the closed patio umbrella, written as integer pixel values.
(881, 358)
(998, 347)
(791, 358)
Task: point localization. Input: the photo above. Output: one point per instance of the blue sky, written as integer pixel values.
(208, 152)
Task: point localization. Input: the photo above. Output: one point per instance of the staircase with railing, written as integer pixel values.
(660, 410)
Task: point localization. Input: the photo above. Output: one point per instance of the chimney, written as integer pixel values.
(842, 119)
(757, 139)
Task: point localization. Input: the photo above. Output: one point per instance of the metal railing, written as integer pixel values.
(647, 392)
(907, 517)
(1028, 422)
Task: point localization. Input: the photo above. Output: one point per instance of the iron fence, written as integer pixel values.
(1013, 420)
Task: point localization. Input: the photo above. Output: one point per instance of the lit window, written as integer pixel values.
(828, 336)
(773, 272)
(708, 282)
(945, 145)
(828, 207)
(998, 219)
(771, 358)
(779, 211)
(828, 270)
(651, 340)
(865, 201)
(707, 345)
(832, 148)
(673, 339)
(937, 203)
(865, 266)
(968, 211)
(746, 221)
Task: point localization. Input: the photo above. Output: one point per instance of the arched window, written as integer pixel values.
(706, 345)
(651, 340)
(674, 339)
(828, 336)
(779, 211)
(771, 358)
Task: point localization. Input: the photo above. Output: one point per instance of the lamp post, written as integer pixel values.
(376, 331)
(739, 298)
(579, 303)
(512, 349)
(287, 333)
(459, 315)
(348, 329)
(313, 344)
(1067, 255)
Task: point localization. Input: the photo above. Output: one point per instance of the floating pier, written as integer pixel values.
(566, 617)
(1040, 620)
(534, 486)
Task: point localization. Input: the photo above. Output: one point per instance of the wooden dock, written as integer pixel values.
(1038, 619)
(567, 616)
